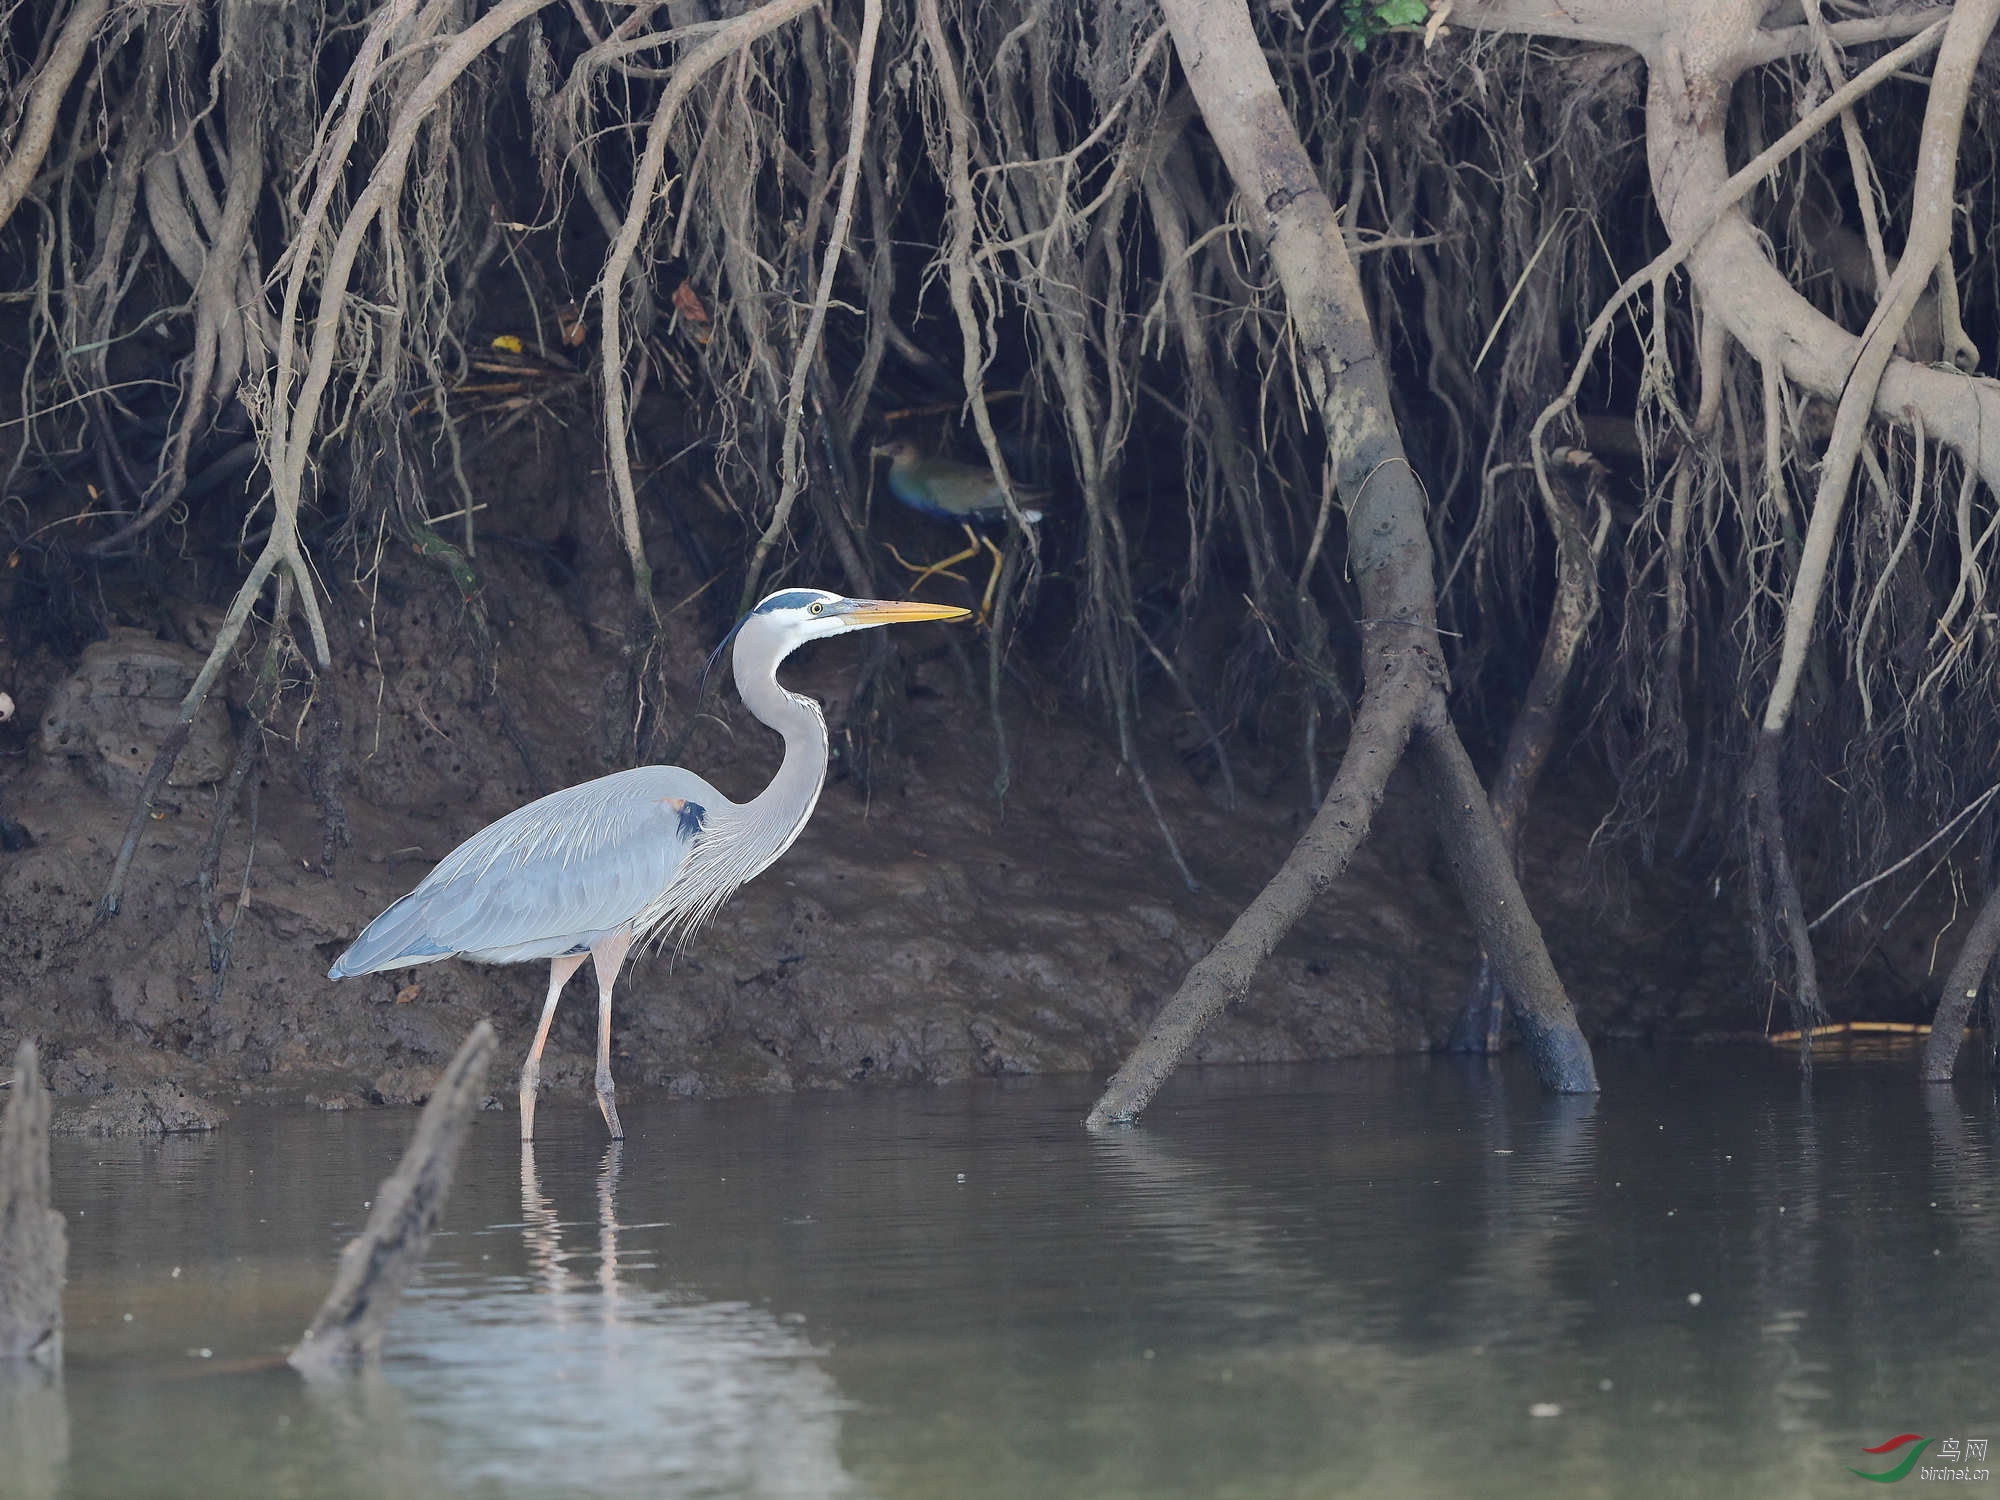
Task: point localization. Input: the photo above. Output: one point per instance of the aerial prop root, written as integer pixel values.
(791, 454)
(1579, 549)
(1732, 192)
(726, 42)
(249, 750)
(1403, 706)
(231, 332)
(291, 421)
(1769, 855)
(1961, 989)
(45, 90)
(1928, 240)
(1404, 695)
(279, 552)
(975, 341)
(1382, 727)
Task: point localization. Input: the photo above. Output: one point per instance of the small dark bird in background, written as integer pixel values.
(966, 493)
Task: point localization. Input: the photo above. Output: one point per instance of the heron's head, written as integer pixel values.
(810, 614)
(786, 620)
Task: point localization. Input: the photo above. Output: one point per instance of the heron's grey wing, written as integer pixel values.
(576, 863)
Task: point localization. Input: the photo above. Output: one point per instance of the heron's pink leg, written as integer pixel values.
(608, 957)
(531, 1073)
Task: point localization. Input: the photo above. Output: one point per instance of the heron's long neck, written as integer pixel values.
(774, 817)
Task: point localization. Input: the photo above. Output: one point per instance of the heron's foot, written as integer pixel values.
(607, 1100)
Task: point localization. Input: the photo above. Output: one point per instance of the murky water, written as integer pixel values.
(1356, 1279)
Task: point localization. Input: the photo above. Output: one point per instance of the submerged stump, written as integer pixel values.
(377, 1264)
(34, 1247)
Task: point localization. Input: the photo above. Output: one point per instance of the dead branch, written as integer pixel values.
(34, 1247)
(378, 1263)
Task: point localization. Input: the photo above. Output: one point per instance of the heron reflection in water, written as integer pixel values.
(541, 1227)
(648, 853)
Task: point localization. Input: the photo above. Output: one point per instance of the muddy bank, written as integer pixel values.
(917, 933)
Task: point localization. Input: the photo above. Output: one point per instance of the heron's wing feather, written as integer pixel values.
(575, 863)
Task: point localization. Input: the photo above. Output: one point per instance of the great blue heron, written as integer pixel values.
(653, 851)
(952, 491)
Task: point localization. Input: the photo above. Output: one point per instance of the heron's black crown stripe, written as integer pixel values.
(789, 599)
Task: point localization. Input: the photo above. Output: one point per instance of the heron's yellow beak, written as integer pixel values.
(899, 611)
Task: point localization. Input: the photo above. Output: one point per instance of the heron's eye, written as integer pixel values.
(818, 608)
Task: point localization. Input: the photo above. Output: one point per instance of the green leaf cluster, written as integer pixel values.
(1361, 20)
